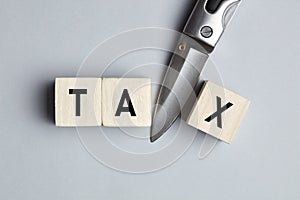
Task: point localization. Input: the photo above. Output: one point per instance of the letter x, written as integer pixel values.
(218, 113)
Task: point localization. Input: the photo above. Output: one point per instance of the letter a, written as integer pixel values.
(121, 108)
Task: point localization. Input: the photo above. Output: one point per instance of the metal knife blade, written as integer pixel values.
(201, 34)
(179, 82)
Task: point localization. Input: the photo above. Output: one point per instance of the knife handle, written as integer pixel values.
(212, 5)
(209, 19)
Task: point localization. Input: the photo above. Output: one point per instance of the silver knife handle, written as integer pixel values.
(209, 19)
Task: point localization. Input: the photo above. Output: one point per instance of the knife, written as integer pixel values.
(200, 36)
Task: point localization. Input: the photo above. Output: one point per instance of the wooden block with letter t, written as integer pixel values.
(126, 102)
(78, 102)
(218, 111)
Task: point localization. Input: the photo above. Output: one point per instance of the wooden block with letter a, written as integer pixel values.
(78, 102)
(126, 102)
(218, 112)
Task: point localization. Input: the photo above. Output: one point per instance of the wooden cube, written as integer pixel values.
(78, 102)
(218, 112)
(126, 102)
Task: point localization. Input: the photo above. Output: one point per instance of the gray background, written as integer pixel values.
(257, 57)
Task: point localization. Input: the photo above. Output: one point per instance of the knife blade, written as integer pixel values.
(202, 32)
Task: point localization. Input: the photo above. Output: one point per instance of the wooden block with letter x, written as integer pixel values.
(218, 111)
(126, 102)
(78, 102)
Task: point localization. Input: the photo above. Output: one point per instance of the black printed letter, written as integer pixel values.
(130, 109)
(77, 92)
(218, 113)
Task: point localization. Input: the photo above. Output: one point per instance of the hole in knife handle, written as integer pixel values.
(212, 5)
(181, 47)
